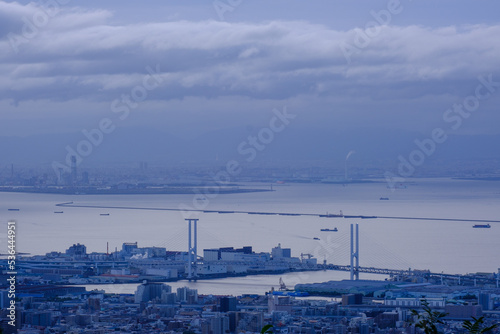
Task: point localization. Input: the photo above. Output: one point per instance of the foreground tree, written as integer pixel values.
(267, 329)
(429, 319)
(477, 326)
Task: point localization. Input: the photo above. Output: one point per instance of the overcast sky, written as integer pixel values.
(220, 68)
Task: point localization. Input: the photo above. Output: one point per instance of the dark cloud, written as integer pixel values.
(230, 74)
(78, 50)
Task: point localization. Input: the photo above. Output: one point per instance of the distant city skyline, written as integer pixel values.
(176, 82)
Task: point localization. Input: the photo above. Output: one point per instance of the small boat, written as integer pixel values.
(58, 211)
(329, 230)
(14, 209)
(315, 238)
(104, 214)
(384, 198)
(481, 226)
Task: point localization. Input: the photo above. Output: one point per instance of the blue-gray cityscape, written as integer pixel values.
(51, 296)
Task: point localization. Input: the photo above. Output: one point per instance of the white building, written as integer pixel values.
(278, 252)
(415, 302)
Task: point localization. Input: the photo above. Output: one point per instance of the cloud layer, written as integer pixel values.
(77, 53)
(64, 67)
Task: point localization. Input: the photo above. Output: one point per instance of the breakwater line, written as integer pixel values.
(71, 204)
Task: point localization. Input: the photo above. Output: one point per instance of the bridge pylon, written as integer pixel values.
(354, 253)
(192, 249)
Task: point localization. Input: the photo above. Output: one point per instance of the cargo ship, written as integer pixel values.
(333, 215)
(329, 230)
(481, 226)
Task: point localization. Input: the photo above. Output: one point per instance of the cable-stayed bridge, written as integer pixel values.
(354, 267)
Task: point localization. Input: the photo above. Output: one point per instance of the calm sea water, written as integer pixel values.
(238, 286)
(441, 246)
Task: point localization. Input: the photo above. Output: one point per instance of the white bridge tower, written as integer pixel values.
(192, 249)
(354, 253)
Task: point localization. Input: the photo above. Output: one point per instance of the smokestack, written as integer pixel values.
(345, 164)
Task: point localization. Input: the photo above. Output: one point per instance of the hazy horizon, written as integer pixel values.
(170, 82)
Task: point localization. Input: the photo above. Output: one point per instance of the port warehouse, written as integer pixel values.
(133, 264)
(156, 263)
